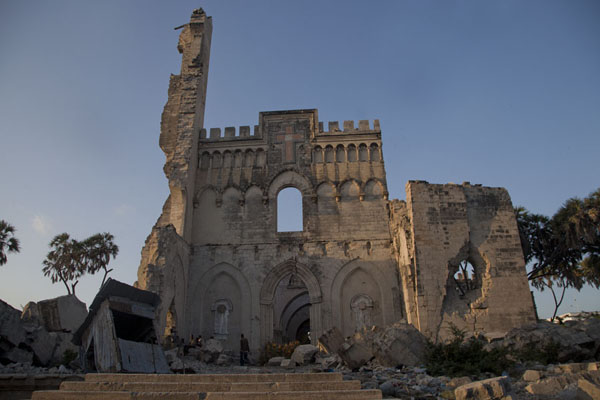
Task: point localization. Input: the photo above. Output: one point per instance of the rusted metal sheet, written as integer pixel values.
(142, 357)
(105, 341)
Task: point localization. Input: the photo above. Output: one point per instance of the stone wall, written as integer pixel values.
(451, 224)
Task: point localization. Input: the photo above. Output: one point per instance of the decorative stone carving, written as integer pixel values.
(362, 308)
(221, 309)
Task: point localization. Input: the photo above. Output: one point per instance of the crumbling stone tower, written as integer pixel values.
(221, 267)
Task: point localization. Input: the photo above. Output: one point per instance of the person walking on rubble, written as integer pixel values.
(244, 350)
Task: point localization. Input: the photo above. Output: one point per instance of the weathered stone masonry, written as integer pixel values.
(221, 268)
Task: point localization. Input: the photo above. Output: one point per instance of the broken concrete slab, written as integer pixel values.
(304, 354)
(356, 354)
(275, 361)
(64, 313)
(331, 340)
(288, 363)
(488, 389)
(532, 375)
(399, 344)
(550, 385)
(587, 390)
(43, 344)
(11, 329)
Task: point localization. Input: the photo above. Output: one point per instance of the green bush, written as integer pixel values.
(536, 352)
(464, 358)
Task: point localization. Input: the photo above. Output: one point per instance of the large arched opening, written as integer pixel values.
(291, 311)
(290, 305)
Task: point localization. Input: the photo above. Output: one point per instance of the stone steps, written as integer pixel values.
(215, 378)
(208, 386)
(324, 386)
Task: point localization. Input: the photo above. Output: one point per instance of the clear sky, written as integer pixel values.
(502, 93)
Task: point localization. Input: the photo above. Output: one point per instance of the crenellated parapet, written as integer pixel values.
(230, 133)
(361, 127)
(349, 127)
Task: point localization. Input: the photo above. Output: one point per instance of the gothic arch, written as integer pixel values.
(289, 178)
(352, 153)
(253, 191)
(318, 155)
(290, 308)
(249, 158)
(205, 161)
(374, 188)
(232, 192)
(217, 160)
(381, 291)
(350, 188)
(374, 152)
(363, 152)
(201, 303)
(238, 158)
(267, 293)
(329, 154)
(340, 154)
(227, 159)
(326, 189)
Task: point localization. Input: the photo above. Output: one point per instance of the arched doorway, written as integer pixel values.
(290, 304)
(291, 311)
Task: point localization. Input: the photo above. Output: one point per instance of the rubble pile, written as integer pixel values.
(576, 340)
(197, 359)
(40, 335)
(394, 345)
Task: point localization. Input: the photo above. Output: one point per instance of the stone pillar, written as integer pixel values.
(266, 322)
(316, 324)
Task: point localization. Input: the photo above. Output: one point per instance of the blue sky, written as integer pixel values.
(502, 93)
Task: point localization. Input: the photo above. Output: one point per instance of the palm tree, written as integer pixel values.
(70, 259)
(8, 242)
(64, 262)
(99, 248)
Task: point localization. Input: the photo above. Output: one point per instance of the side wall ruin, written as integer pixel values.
(440, 228)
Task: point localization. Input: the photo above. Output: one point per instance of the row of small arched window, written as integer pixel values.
(236, 159)
(351, 153)
(258, 158)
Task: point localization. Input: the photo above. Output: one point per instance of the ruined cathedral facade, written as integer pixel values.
(448, 254)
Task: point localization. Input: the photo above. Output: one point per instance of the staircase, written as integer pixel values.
(319, 386)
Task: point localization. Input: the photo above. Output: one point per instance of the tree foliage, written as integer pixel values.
(563, 251)
(69, 259)
(8, 242)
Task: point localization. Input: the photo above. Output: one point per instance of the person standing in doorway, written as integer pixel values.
(244, 350)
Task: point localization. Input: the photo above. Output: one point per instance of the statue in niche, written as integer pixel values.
(362, 310)
(221, 309)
